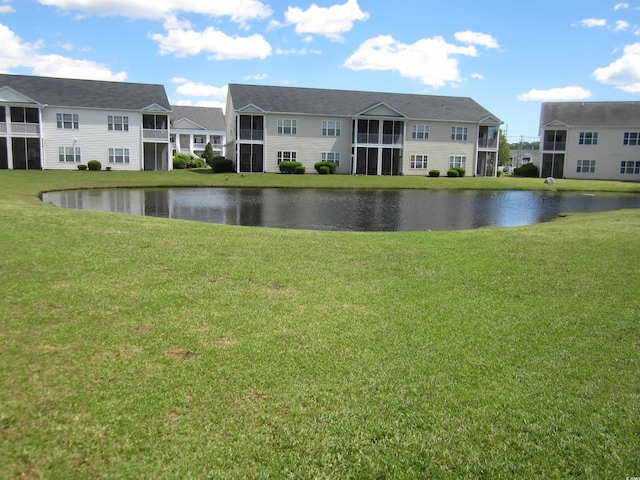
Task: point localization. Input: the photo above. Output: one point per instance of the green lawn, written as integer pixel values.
(137, 347)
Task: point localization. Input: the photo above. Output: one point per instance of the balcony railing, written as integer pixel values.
(371, 138)
(487, 143)
(149, 134)
(25, 128)
(248, 134)
(555, 146)
(3, 127)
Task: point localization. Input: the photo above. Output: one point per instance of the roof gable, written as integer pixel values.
(381, 109)
(186, 124)
(251, 108)
(9, 95)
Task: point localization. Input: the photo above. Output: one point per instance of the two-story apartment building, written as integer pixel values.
(193, 127)
(364, 133)
(58, 123)
(590, 140)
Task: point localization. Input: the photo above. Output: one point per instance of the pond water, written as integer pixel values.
(336, 209)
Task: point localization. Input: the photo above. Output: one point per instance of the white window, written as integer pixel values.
(586, 166)
(419, 161)
(420, 132)
(631, 138)
(630, 167)
(588, 138)
(118, 155)
(69, 154)
(331, 128)
(457, 161)
(331, 157)
(286, 157)
(67, 121)
(118, 123)
(287, 126)
(459, 134)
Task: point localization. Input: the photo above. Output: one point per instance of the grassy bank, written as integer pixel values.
(150, 348)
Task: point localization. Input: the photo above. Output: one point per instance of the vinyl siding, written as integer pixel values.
(93, 138)
(308, 143)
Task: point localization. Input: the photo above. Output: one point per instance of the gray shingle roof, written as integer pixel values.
(207, 117)
(349, 102)
(66, 92)
(576, 114)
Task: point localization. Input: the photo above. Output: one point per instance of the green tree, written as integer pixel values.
(208, 154)
(504, 152)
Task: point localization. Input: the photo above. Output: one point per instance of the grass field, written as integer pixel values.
(137, 347)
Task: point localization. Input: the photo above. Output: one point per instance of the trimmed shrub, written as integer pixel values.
(461, 171)
(196, 162)
(453, 173)
(434, 173)
(208, 154)
(330, 165)
(94, 165)
(527, 170)
(108, 169)
(300, 169)
(221, 165)
(179, 163)
(82, 167)
(289, 167)
(323, 170)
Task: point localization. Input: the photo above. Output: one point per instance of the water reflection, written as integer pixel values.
(357, 210)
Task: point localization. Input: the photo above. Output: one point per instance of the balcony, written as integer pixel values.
(24, 128)
(487, 143)
(250, 134)
(555, 146)
(3, 128)
(155, 134)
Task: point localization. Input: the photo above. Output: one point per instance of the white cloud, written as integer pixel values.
(554, 94)
(477, 76)
(16, 53)
(429, 60)
(622, 26)
(301, 51)
(259, 76)
(6, 8)
(476, 38)
(330, 22)
(199, 89)
(238, 10)
(620, 6)
(183, 43)
(624, 73)
(202, 103)
(593, 22)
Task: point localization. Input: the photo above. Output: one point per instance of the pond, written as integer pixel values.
(351, 210)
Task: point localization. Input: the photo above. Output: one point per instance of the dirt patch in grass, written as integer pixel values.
(180, 354)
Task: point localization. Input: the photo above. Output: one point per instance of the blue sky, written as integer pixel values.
(509, 56)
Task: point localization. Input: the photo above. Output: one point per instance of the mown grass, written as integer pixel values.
(150, 348)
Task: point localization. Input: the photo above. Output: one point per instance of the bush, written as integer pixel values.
(82, 167)
(434, 173)
(289, 167)
(196, 162)
(94, 165)
(300, 169)
(499, 173)
(461, 171)
(527, 170)
(453, 173)
(208, 154)
(330, 165)
(323, 170)
(179, 163)
(220, 164)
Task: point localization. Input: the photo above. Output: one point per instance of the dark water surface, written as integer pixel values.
(337, 209)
